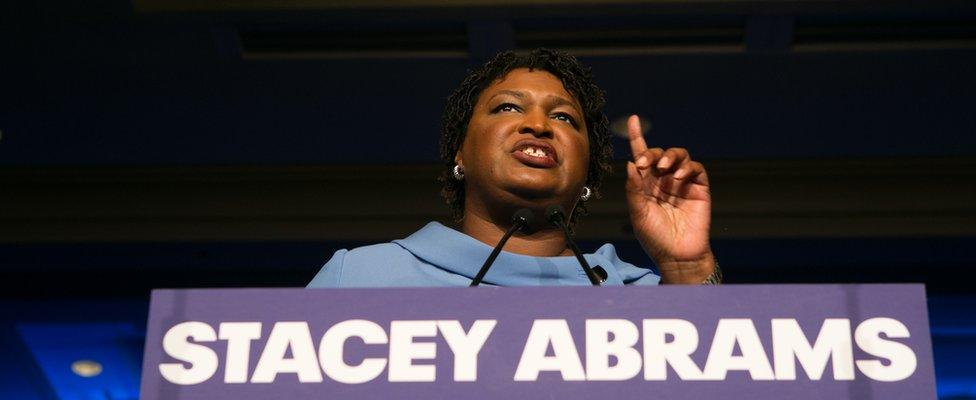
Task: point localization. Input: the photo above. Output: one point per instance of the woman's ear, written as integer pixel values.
(457, 158)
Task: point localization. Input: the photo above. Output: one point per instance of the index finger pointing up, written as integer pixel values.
(637, 144)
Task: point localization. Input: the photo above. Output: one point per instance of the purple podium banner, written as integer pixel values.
(669, 342)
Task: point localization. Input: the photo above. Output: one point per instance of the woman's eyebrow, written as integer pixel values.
(554, 100)
(514, 93)
(551, 100)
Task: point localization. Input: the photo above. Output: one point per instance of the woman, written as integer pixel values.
(529, 132)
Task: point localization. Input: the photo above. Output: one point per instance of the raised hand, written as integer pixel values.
(670, 208)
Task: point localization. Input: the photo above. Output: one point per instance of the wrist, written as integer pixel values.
(715, 278)
(689, 272)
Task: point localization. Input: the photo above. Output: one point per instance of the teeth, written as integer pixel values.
(534, 152)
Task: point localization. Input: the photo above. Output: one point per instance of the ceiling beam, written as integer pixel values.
(752, 199)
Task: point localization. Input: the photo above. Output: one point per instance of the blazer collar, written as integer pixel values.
(459, 253)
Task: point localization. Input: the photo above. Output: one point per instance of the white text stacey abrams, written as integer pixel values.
(611, 350)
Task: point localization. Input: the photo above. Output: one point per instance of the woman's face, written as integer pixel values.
(526, 143)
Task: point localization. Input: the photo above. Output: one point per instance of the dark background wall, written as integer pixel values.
(156, 143)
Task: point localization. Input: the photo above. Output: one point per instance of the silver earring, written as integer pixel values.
(587, 192)
(458, 172)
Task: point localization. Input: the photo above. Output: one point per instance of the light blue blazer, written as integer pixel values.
(440, 256)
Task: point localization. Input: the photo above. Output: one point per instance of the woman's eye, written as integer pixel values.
(507, 108)
(565, 118)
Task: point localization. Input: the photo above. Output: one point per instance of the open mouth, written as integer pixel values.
(535, 153)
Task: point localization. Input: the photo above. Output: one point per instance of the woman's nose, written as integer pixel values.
(536, 123)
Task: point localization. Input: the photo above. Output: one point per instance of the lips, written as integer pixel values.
(535, 153)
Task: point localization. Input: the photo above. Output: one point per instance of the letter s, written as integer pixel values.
(903, 360)
(203, 360)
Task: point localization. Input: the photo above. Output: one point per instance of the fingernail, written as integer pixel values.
(642, 161)
(680, 174)
(664, 163)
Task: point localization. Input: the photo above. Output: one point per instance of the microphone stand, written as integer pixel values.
(521, 219)
(557, 217)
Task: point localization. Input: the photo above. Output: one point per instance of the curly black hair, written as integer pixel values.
(575, 77)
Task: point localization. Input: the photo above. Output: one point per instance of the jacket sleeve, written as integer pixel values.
(330, 276)
(629, 273)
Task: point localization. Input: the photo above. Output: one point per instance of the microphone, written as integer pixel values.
(557, 216)
(522, 219)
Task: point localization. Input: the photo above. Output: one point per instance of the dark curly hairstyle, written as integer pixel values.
(576, 78)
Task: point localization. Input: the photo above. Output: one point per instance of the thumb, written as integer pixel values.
(634, 185)
(637, 202)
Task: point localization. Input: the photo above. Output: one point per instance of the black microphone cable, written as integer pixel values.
(522, 219)
(557, 216)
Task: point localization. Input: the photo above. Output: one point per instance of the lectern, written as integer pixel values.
(668, 342)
